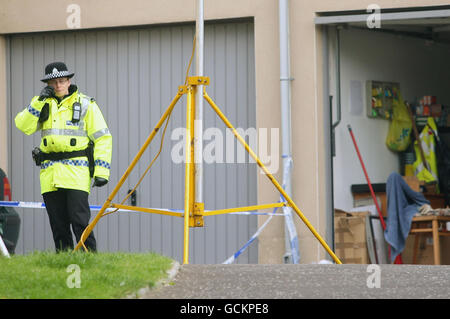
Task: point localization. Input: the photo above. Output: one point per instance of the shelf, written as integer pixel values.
(379, 98)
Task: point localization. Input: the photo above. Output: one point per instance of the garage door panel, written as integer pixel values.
(134, 75)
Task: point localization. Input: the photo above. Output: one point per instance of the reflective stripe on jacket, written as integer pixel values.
(60, 134)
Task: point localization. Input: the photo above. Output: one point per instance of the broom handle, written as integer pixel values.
(398, 259)
(367, 178)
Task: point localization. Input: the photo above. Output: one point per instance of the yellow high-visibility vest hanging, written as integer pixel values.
(429, 146)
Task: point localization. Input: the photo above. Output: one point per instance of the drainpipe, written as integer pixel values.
(198, 123)
(291, 240)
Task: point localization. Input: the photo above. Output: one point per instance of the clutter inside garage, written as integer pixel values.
(391, 164)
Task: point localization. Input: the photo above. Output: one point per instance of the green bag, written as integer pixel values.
(399, 134)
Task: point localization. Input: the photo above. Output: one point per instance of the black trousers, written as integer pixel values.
(65, 208)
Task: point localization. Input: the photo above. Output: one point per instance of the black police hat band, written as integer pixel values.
(59, 74)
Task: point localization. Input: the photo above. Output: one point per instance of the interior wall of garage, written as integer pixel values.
(134, 74)
(421, 68)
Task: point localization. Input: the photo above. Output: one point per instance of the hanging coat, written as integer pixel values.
(60, 134)
(429, 149)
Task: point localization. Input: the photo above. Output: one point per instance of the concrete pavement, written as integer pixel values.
(316, 281)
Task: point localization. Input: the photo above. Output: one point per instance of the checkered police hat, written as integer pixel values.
(56, 70)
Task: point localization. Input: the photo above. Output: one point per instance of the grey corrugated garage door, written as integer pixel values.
(134, 74)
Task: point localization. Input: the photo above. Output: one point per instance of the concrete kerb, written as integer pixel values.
(171, 273)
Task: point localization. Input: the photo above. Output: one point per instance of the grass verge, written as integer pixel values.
(47, 275)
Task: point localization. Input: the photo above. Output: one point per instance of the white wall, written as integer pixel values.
(421, 69)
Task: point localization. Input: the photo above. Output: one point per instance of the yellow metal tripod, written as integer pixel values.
(194, 212)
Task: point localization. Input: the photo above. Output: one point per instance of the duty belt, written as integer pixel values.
(40, 156)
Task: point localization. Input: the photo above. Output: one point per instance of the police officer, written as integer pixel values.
(75, 147)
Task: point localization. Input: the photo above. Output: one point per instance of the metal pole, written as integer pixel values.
(198, 123)
(291, 240)
(329, 140)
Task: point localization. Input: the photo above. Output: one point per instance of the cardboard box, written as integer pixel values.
(413, 182)
(362, 199)
(350, 237)
(436, 110)
(430, 188)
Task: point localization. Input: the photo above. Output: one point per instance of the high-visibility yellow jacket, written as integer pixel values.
(60, 134)
(428, 143)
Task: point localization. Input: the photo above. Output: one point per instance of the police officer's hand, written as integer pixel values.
(46, 92)
(99, 181)
(44, 113)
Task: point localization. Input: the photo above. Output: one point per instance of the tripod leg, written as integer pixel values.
(189, 179)
(271, 178)
(91, 226)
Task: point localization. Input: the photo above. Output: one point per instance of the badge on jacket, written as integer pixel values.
(72, 123)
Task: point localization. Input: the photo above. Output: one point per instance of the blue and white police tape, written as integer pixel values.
(287, 210)
(20, 204)
(41, 205)
(255, 235)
